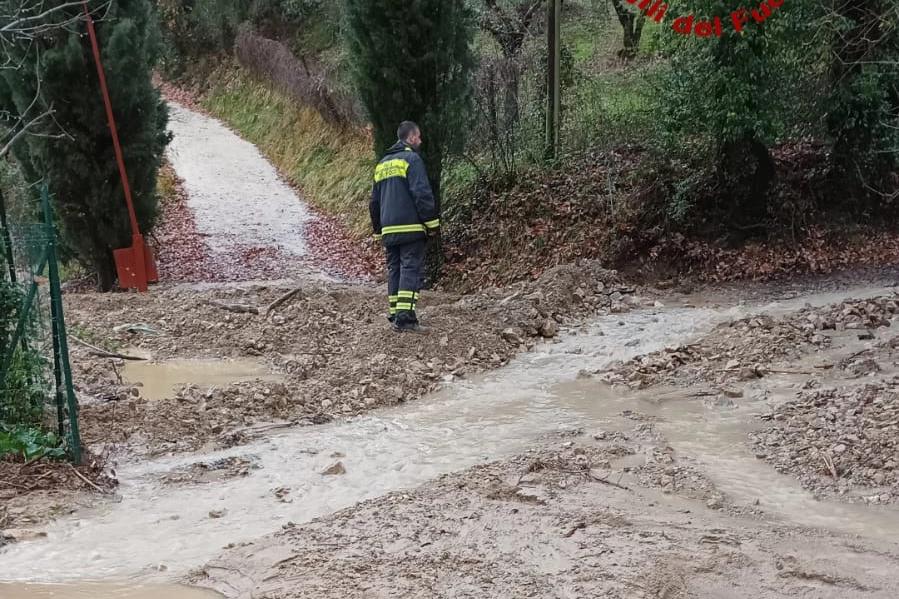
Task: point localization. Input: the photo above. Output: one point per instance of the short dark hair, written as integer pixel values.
(406, 129)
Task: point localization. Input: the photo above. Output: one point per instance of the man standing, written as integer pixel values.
(403, 215)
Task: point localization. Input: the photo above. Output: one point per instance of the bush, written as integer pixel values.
(30, 443)
(305, 80)
(724, 109)
(863, 105)
(21, 393)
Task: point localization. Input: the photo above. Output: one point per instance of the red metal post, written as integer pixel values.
(140, 267)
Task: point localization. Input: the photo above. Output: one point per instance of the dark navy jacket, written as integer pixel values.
(402, 205)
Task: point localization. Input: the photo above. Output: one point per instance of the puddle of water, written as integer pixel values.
(160, 380)
(486, 418)
(91, 590)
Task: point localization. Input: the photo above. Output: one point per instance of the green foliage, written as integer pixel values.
(416, 67)
(75, 153)
(21, 393)
(719, 90)
(724, 104)
(30, 443)
(863, 105)
(196, 29)
(193, 28)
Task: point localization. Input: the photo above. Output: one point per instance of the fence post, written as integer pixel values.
(60, 340)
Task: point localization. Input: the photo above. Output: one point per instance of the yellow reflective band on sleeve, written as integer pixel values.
(406, 294)
(433, 224)
(403, 306)
(402, 229)
(415, 295)
(391, 168)
(377, 236)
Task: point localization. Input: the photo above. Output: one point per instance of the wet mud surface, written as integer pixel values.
(548, 477)
(564, 437)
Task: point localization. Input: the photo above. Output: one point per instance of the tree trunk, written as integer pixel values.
(632, 27)
(106, 273)
(434, 251)
(746, 170)
(511, 109)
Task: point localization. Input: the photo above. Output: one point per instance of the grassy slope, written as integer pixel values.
(332, 166)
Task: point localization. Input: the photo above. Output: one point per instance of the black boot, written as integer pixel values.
(406, 325)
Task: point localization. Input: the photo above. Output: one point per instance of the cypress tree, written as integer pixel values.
(412, 60)
(74, 151)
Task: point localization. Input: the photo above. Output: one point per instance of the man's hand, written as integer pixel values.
(434, 232)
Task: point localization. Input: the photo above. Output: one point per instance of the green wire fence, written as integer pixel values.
(35, 374)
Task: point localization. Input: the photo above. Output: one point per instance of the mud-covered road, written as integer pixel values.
(564, 437)
(620, 458)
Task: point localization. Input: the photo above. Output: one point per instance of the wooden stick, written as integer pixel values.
(778, 371)
(607, 481)
(858, 353)
(239, 308)
(106, 354)
(82, 477)
(12, 484)
(281, 300)
(96, 351)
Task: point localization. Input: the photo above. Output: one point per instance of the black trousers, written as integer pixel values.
(405, 265)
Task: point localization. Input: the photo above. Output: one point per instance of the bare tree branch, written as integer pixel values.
(34, 24)
(22, 131)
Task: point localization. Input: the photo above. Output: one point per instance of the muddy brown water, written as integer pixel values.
(160, 380)
(157, 533)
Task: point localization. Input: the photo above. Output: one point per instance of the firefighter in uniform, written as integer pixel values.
(403, 215)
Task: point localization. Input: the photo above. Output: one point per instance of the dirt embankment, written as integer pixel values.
(332, 345)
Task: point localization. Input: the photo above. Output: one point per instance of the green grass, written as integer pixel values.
(331, 166)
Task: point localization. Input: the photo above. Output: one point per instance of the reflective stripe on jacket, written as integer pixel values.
(402, 204)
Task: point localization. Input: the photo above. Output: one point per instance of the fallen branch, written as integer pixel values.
(778, 371)
(9, 483)
(238, 308)
(96, 351)
(857, 354)
(106, 354)
(84, 478)
(606, 481)
(281, 300)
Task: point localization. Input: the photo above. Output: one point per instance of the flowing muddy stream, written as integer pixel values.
(158, 532)
(91, 590)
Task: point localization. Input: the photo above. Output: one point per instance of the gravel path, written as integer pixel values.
(252, 222)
